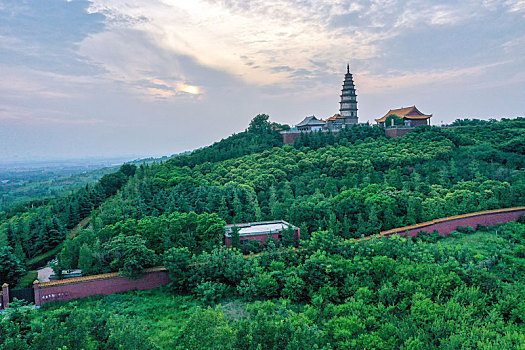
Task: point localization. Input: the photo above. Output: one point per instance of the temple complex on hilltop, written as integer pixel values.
(396, 122)
(346, 117)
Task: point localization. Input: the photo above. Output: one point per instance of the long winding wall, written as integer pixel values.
(111, 283)
(446, 225)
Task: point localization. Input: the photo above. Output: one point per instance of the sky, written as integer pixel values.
(105, 78)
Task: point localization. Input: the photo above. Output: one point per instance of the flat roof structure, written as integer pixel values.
(259, 228)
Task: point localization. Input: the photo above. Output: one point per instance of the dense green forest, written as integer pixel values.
(336, 292)
(353, 183)
(460, 292)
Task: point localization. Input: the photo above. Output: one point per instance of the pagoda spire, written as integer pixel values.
(348, 104)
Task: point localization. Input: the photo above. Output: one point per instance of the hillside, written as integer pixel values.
(464, 291)
(382, 294)
(354, 183)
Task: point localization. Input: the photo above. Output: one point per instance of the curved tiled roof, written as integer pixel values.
(311, 121)
(335, 117)
(405, 113)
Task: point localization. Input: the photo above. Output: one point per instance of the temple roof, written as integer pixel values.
(335, 117)
(405, 113)
(311, 121)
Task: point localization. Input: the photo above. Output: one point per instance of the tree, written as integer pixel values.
(206, 329)
(128, 169)
(129, 254)
(111, 183)
(260, 124)
(86, 259)
(235, 238)
(397, 120)
(177, 262)
(288, 237)
(11, 268)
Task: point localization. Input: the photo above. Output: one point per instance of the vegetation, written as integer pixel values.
(11, 268)
(394, 120)
(430, 292)
(32, 233)
(336, 293)
(357, 184)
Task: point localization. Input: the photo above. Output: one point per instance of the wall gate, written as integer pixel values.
(26, 294)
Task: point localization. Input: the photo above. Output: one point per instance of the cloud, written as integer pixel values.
(430, 16)
(175, 74)
(247, 39)
(16, 114)
(23, 82)
(511, 6)
(517, 6)
(515, 47)
(374, 84)
(259, 42)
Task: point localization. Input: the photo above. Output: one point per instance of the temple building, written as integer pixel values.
(348, 104)
(336, 122)
(411, 117)
(311, 124)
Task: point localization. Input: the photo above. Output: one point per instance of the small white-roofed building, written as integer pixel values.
(260, 231)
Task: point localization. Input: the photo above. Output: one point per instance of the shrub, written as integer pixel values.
(210, 292)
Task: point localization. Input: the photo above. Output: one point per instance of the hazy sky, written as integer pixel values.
(152, 77)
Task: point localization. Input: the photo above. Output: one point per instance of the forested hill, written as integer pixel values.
(347, 185)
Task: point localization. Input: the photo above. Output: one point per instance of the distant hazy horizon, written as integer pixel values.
(45, 162)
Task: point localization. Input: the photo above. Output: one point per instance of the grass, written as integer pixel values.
(81, 225)
(485, 243)
(163, 312)
(27, 280)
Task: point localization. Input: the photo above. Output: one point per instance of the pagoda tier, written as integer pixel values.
(348, 104)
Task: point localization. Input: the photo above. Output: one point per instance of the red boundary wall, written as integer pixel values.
(446, 225)
(106, 284)
(290, 137)
(110, 283)
(397, 132)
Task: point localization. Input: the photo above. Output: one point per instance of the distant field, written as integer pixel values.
(18, 186)
(22, 182)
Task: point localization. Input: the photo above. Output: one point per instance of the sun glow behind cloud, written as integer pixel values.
(190, 89)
